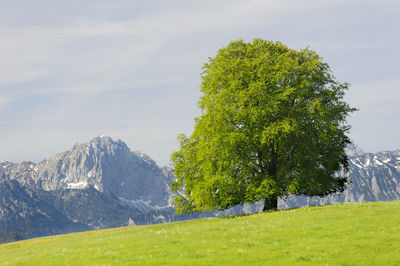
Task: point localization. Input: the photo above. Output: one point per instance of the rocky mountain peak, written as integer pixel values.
(105, 140)
(101, 163)
(353, 150)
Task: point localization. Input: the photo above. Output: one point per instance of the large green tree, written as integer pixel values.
(273, 123)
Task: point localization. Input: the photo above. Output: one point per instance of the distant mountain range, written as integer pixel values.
(102, 184)
(374, 177)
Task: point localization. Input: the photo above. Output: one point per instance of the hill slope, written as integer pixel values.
(364, 233)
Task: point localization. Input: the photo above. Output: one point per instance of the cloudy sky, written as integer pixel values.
(72, 70)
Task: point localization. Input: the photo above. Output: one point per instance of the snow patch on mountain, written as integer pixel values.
(79, 185)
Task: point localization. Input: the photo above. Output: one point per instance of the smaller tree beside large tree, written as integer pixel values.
(272, 124)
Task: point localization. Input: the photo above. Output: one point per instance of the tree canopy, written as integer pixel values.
(273, 123)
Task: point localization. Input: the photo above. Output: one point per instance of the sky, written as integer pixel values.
(73, 70)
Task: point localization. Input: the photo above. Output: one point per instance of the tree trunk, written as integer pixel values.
(270, 204)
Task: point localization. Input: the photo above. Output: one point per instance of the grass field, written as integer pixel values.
(343, 234)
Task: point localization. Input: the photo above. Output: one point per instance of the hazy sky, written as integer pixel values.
(72, 70)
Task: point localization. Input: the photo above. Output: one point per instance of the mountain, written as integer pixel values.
(25, 213)
(374, 177)
(98, 184)
(98, 209)
(90, 206)
(353, 150)
(101, 163)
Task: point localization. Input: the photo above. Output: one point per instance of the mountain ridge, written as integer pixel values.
(102, 163)
(374, 177)
(102, 183)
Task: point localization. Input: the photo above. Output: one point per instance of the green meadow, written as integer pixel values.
(342, 234)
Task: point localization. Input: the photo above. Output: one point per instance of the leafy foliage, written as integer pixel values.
(272, 124)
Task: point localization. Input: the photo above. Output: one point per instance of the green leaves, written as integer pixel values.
(274, 131)
(272, 124)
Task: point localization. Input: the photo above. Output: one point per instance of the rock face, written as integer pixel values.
(25, 213)
(90, 207)
(374, 177)
(103, 164)
(353, 150)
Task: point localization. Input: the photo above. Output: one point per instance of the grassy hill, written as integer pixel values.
(346, 234)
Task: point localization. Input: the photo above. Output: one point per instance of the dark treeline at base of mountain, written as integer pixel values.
(10, 237)
(33, 213)
(103, 184)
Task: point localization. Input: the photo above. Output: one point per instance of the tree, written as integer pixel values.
(272, 124)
